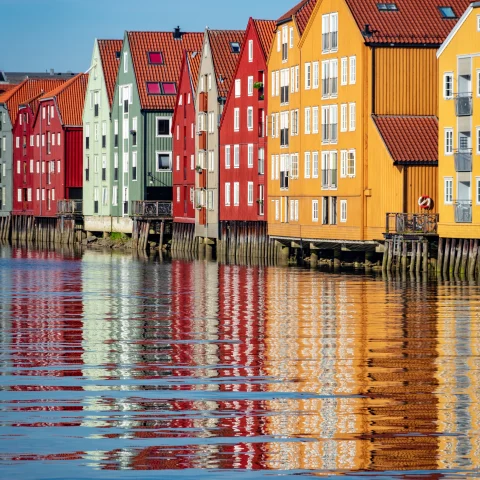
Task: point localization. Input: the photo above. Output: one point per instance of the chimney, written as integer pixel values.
(177, 34)
(52, 71)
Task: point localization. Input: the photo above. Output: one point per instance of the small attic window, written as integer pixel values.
(387, 7)
(235, 47)
(117, 55)
(153, 88)
(447, 12)
(155, 58)
(161, 88)
(169, 88)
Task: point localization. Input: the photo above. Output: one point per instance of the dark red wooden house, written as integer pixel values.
(183, 132)
(243, 131)
(58, 151)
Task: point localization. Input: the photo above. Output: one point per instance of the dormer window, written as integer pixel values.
(117, 55)
(447, 12)
(155, 58)
(387, 7)
(161, 88)
(235, 47)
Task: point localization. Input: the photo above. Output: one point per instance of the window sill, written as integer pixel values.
(164, 171)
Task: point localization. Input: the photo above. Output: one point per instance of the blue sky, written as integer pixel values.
(41, 34)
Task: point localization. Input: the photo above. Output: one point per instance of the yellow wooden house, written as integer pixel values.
(367, 126)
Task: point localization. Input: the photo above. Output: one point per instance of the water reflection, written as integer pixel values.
(111, 363)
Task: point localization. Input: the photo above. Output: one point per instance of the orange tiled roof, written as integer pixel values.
(5, 87)
(108, 55)
(266, 32)
(25, 91)
(172, 50)
(70, 99)
(32, 102)
(194, 59)
(224, 60)
(301, 12)
(409, 139)
(414, 21)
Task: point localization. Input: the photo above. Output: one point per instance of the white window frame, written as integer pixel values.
(236, 194)
(308, 116)
(314, 210)
(236, 119)
(158, 152)
(445, 76)
(353, 70)
(343, 117)
(250, 155)
(344, 72)
(250, 86)
(250, 51)
(228, 158)
(238, 87)
(314, 120)
(308, 76)
(447, 199)
(352, 117)
(227, 194)
(352, 168)
(477, 190)
(169, 135)
(236, 156)
(250, 193)
(249, 119)
(449, 132)
(307, 165)
(343, 211)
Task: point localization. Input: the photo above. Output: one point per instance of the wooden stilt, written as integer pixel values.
(464, 260)
(447, 256)
(473, 258)
(453, 252)
(440, 254)
(458, 258)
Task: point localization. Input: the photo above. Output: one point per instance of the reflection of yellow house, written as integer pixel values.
(364, 141)
(459, 127)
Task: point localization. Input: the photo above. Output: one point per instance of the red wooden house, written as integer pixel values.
(243, 135)
(24, 108)
(58, 151)
(183, 132)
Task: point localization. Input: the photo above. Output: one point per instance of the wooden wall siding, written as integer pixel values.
(74, 158)
(155, 144)
(421, 180)
(406, 81)
(7, 160)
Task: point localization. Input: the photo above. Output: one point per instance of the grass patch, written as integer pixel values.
(118, 236)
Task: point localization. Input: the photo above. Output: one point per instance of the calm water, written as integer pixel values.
(113, 367)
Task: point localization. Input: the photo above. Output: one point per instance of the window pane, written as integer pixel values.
(155, 58)
(163, 127)
(153, 88)
(163, 161)
(169, 88)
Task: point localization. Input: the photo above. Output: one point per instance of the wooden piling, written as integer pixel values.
(458, 257)
(412, 259)
(440, 255)
(447, 256)
(453, 251)
(473, 258)
(425, 256)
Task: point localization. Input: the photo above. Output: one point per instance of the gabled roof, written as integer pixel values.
(300, 13)
(172, 50)
(5, 87)
(266, 32)
(110, 62)
(194, 59)
(413, 22)
(70, 99)
(410, 140)
(32, 103)
(24, 91)
(223, 58)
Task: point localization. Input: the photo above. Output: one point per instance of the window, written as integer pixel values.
(163, 127)
(284, 130)
(478, 23)
(352, 115)
(333, 77)
(209, 81)
(227, 156)
(227, 194)
(250, 50)
(351, 164)
(449, 141)
(307, 120)
(261, 161)
(448, 85)
(285, 44)
(448, 190)
(343, 163)
(308, 80)
(250, 193)
(297, 78)
(273, 84)
(278, 41)
(477, 182)
(164, 161)
(250, 156)
(250, 86)
(307, 165)
(284, 85)
(315, 120)
(315, 74)
(325, 33)
(325, 124)
(236, 119)
(343, 211)
(161, 88)
(134, 166)
(58, 139)
(294, 122)
(210, 197)
(238, 86)
(125, 62)
(250, 118)
(277, 83)
(284, 170)
(17, 142)
(343, 117)
(314, 210)
(294, 165)
(236, 193)
(115, 166)
(333, 210)
(211, 122)
(329, 170)
(447, 12)
(235, 46)
(236, 156)
(277, 209)
(211, 161)
(291, 37)
(353, 70)
(387, 7)
(344, 73)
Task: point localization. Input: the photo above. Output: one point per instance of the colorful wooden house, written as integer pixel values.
(367, 124)
(220, 54)
(243, 134)
(143, 105)
(58, 150)
(184, 134)
(16, 146)
(98, 173)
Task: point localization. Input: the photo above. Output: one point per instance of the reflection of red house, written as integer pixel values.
(22, 108)
(183, 132)
(59, 146)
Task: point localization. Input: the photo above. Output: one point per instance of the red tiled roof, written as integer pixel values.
(108, 50)
(266, 32)
(415, 21)
(173, 50)
(410, 139)
(301, 12)
(194, 59)
(26, 90)
(70, 98)
(5, 87)
(224, 60)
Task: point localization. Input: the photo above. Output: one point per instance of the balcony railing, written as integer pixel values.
(463, 104)
(151, 209)
(463, 160)
(412, 223)
(69, 207)
(463, 211)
